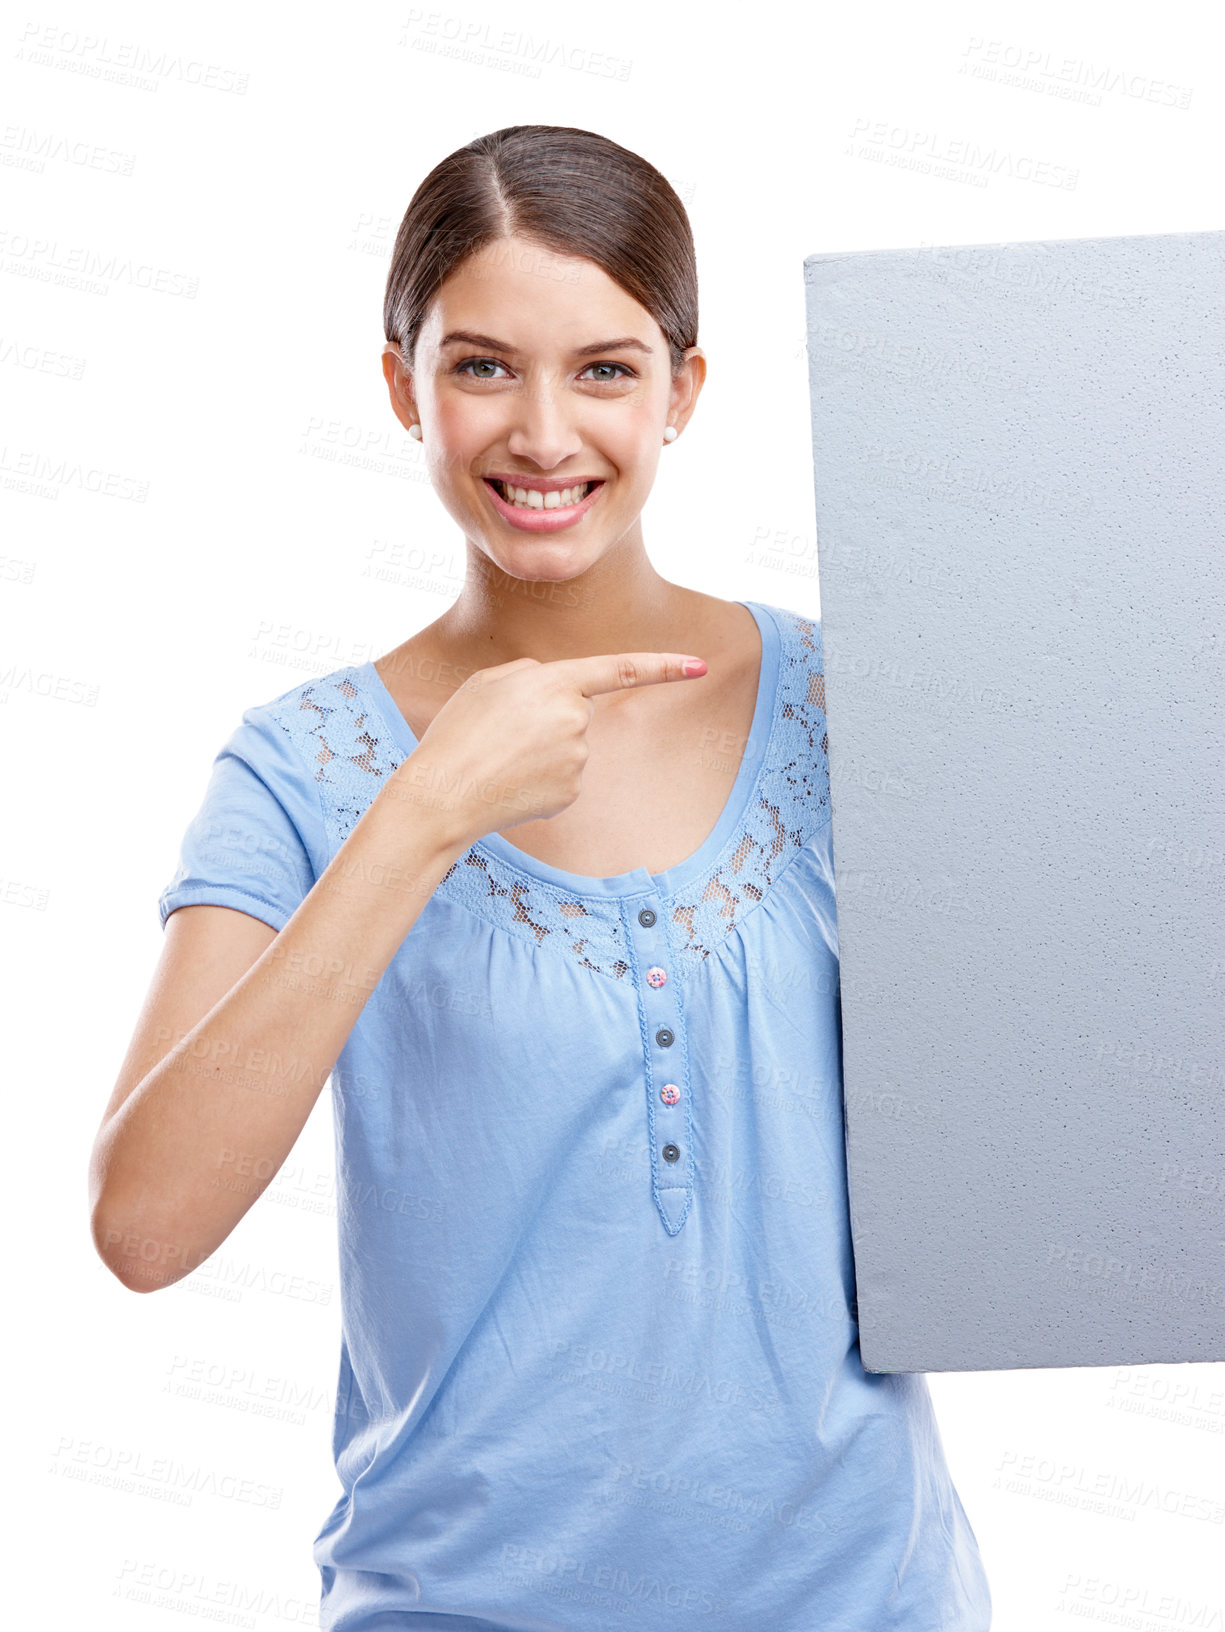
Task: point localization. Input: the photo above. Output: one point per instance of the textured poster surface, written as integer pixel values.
(1018, 460)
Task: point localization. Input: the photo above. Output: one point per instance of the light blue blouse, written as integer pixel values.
(599, 1364)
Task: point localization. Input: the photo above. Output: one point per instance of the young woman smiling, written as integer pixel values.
(599, 1362)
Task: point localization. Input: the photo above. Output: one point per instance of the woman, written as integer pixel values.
(599, 1362)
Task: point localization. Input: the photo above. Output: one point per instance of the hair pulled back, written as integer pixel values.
(570, 191)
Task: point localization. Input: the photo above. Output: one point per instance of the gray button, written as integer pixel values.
(664, 1037)
(671, 1153)
(646, 918)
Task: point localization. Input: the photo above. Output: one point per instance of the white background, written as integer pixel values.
(200, 474)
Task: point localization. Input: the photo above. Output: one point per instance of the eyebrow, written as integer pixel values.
(467, 338)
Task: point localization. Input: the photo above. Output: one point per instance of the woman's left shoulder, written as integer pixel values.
(799, 633)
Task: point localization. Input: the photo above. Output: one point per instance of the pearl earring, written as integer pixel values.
(670, 434)
(415, 432)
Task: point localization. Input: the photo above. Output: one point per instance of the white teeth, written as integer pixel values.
(533, 499)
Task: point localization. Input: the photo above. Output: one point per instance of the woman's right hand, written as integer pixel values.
(510, 745)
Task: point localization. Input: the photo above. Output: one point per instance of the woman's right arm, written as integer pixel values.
(243, 1025)
(238, 1035)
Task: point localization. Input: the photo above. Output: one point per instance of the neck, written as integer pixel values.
(620, 603)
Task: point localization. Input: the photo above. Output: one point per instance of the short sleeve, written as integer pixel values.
(250, 843)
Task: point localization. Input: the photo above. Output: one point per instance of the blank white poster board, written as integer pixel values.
(1018, 456)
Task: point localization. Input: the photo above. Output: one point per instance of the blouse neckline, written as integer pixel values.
(637, 880)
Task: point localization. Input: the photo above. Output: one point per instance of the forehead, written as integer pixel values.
(531, 297)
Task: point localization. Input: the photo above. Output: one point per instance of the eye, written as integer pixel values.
(470, 365)
(480, 362)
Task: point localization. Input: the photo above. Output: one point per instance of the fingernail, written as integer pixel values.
(693, 665)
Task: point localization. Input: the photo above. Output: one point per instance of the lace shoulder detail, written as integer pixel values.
(344, 741)
(789, 803)
(341, 734)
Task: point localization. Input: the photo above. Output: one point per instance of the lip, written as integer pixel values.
(540, 521)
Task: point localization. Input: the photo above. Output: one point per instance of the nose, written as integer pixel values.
(544, 431)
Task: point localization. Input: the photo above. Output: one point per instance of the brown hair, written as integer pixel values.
(570, 191)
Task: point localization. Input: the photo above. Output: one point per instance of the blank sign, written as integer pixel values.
(1018, 455)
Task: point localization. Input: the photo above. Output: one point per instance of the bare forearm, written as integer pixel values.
(206, 1131)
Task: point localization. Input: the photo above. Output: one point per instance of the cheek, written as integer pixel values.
(461, 429)
(631, 444)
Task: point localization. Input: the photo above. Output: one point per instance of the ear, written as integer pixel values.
(399, 385)
(686, 385)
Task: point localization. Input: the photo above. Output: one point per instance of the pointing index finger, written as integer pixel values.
(615, 671)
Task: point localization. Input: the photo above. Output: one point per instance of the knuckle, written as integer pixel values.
(627, 671)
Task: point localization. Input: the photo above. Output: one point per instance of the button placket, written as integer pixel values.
(669, 1122)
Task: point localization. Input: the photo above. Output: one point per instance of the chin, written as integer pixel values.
(539, 562)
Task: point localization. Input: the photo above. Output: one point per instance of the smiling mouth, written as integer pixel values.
(531, 498)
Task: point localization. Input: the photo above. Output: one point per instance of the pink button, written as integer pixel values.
(669, 1093)
(656, 976)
